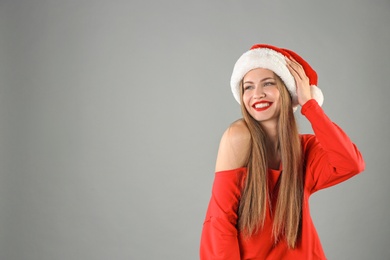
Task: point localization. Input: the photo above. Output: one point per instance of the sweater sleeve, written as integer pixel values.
(330, 156)
(219, 238)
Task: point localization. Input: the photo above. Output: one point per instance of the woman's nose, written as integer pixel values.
(259, 92)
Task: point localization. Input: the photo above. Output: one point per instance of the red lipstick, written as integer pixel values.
(262, 105)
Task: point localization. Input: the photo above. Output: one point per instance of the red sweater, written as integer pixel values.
(330, 158)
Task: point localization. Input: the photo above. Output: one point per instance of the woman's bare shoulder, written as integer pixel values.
(234, 148)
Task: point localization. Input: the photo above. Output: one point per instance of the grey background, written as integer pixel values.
(111, 114)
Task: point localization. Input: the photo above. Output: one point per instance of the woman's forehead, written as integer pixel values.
(259, 73)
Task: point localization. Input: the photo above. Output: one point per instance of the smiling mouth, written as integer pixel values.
(262, 106)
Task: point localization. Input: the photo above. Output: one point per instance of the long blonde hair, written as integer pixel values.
(255, 198)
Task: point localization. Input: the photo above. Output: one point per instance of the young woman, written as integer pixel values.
(265, 170)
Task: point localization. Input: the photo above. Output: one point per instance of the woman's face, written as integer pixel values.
(261, 95)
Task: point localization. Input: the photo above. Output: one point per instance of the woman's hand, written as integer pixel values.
(301, 81)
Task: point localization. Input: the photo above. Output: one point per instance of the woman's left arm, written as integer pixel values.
(333, 157)
(341, 153)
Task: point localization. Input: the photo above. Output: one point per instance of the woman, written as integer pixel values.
(265, 170)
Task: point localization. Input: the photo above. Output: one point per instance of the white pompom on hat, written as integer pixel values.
(273, 58)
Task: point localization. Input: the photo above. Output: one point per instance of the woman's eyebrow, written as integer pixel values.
(264, 79)
(248, 81)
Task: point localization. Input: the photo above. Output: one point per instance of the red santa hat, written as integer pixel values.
(273, 58)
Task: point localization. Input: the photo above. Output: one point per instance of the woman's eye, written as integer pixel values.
(248, 87)
(269, 83)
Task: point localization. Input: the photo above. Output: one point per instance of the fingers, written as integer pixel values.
(293, 70)
(301, 80)
(296, 69)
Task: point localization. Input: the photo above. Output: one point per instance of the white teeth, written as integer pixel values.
(261, 105)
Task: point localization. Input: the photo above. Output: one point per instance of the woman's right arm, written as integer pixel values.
(219, 235)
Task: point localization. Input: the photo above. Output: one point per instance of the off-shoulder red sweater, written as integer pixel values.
(330, 158)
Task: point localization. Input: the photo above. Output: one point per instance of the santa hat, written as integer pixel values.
(273, 58)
